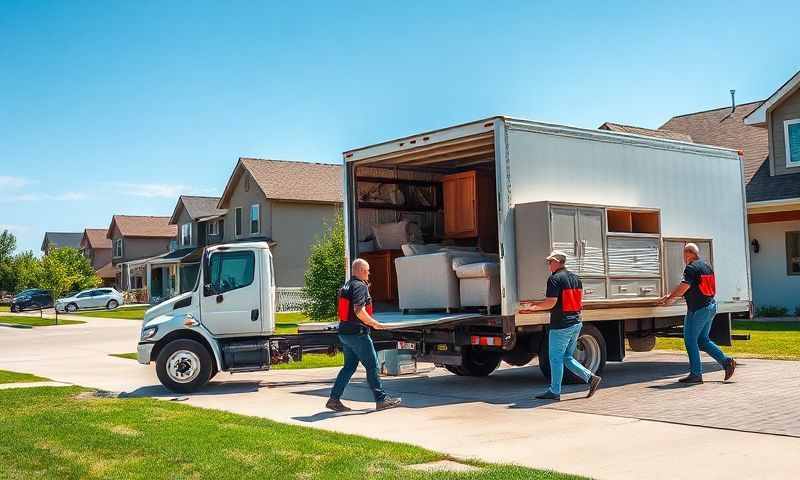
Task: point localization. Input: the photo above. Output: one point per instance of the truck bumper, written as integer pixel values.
(143, 352)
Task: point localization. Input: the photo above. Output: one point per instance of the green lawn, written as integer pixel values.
(35, 321)
(779, 341)
(5, 308)
(16, 377)
(62, 433)
(129, 356)
(122, 313)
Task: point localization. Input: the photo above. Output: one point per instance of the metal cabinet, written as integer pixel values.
(578, 232)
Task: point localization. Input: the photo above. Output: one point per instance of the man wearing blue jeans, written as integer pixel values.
(698, 287)
(355, 318)
(565, 302)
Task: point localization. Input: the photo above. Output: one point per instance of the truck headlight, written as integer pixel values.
(149, 333)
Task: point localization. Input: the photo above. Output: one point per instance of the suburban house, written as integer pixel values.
(134, 241)
(199, 223)
(287, 204)
(61, 239)
(96, 247)
(767, 133)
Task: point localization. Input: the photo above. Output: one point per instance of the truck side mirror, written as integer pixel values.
(209, 289)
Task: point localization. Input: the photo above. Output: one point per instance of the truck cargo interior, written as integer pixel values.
(426, 221)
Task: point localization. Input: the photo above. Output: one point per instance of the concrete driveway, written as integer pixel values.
(641, 425)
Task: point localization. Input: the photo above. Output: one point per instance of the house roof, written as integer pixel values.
(618, 127)
(142, 226)
(62, 239)
(759, 115)
(96, 238)
(107, 271)
(198, 208)
(289, 181)
(724, 128)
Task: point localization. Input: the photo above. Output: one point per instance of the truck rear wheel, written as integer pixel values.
(642, 344)
(184, 365)
(590, 352)
(479, 363)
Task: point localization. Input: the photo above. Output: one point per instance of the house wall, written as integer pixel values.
(771, 284)
(789, 109)
(135, 248)
(296, 227)
(184, 217)
(213, 239)
(244, 199)
(100, 257)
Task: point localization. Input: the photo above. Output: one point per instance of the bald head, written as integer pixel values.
(691, 252)
(360, 269)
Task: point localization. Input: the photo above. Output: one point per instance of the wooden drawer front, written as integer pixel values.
(633, 257)
(635, 288)
(594, 288)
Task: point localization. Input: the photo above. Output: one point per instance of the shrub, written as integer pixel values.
(772, 311)
(325, 272)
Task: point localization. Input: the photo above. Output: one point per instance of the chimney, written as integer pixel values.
(733, 101)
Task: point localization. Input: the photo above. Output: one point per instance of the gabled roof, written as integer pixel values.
(107, 271)
(142, 226)
(724, 128)
(96, 238)
(618, 127)
(197, 207)
(289, 181)
(759, 115)
(62, 239)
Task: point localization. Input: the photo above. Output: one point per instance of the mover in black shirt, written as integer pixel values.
(355, 320)
(564, 299)
(698, 286)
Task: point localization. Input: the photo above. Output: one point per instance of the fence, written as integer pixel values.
(289, 299)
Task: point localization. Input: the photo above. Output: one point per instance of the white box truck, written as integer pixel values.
(621, 206)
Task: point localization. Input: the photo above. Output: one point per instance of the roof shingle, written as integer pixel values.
(142, 226)
(96, 237)
(618, 127)
(62, 239)
(198, 207)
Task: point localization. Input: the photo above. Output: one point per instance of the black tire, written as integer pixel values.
(479, 363)
(195, 382)
(520, 355)
(15, 309)
(593, 335)
(112, 304)
(71, 308)
(642, 344)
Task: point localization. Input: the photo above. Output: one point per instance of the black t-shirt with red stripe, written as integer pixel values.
(702, 285)
(352, 296)
(568, 289)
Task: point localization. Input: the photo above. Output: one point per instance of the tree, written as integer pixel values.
(66, 269)
(23, 271)
(325, 272)
(8, 242)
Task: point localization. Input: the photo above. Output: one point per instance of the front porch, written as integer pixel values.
(153, 280)
(775, 253)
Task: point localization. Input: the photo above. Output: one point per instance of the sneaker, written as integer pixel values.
(692, 379)
(730, 367)
(594, 382)
(336, 405)
(548, 395)
(388, 403)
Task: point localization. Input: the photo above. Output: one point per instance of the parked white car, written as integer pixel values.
(93, 298)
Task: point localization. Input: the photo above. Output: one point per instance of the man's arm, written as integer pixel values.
(366, 318)
(546, 304)
(679, 291)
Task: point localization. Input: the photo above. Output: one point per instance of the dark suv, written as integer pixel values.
(32, 298)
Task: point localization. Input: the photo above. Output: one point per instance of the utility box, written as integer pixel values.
(397, 362)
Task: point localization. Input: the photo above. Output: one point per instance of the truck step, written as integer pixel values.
(249, 368)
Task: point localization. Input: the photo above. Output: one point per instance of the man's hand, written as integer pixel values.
(666, 300)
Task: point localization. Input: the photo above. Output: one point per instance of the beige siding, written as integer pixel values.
(100, 257)
(244, 199)
(295, 228)
(137, 248)
(185, 218)
(789, 109)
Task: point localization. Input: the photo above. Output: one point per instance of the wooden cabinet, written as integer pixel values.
(470, 208)
(382, 274)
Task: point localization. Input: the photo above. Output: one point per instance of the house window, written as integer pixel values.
(186, 234)
(793, 253)
(212, 229)
(791, 137)
(238, 229)
(118, 248)
(255, 218)
(173, 245)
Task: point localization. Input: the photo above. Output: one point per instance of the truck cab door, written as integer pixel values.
(231, 294)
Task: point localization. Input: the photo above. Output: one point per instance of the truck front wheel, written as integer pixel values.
(590, 352)
(184, 365)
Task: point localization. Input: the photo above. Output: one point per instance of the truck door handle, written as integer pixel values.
(254, 314)
(220, 298)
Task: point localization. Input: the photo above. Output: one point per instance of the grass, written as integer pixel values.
(5, 308)
(122, 313)
(68, 433)
(16, 377)
(35, 321)
(129, 356)
(777, 341)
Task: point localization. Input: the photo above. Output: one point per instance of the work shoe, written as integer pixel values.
(692, 379)
(388, 403)
(548, 395)
(336, 405)
(594, 382)
(730, 367)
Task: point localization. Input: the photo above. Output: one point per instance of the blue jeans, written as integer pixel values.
(358, 348)
(561, 345)
(695, 336)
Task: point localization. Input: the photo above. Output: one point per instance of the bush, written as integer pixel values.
(325, 272)
(772, 311)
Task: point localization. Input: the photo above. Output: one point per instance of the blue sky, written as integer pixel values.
(118, 107)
